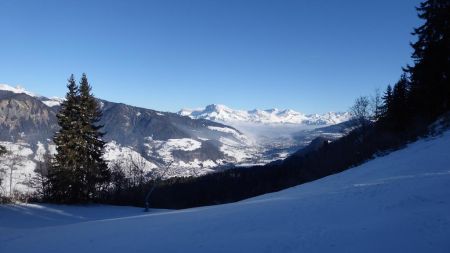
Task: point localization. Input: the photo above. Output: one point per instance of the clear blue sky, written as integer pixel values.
(306, 55)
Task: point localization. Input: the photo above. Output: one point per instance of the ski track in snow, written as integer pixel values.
(396, 203)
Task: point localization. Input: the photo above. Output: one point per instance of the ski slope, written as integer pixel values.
(396, 203)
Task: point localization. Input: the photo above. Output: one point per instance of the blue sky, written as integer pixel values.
(307, 55)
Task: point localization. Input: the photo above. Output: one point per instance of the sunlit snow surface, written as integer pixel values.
(18, 89)
(222, 113)
(396, 203)
(21, 169)
(50, 102)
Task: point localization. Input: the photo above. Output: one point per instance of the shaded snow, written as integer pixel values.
(28, 216)
(395, 203)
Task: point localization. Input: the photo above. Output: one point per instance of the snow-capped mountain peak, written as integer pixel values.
(222, 113)
(53, 101)
(217, 107)
(18, 89)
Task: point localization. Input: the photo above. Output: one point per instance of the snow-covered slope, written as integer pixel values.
(396, 203)
(54, 101)
(275, 134)
(135, 135)
(194, 146)
(225, 114)
(18, 89)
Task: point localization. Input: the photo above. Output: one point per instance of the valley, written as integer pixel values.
(192, 144)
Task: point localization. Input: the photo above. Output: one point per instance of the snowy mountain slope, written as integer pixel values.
(193, 147)
(54, 101)
(28, 120)
(18, 90)
(395, 203)
(275, 134)
(225, 114)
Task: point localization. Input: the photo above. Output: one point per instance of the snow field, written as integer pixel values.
(395, 203)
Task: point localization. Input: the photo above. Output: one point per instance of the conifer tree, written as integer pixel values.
(399, 110)
(377, 105)
(63, 185)
(386, 108)
(40, 180)
(430, 74)
(95, 169)
(78, 170)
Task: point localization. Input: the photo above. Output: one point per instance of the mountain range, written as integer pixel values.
(225, 114)
(275, 133)
(194, 143)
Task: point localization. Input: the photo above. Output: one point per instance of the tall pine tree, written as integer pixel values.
(78, 170)
(400, 113)
(386, 108)
(94, 166)
(430, 74)
(64, 187)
